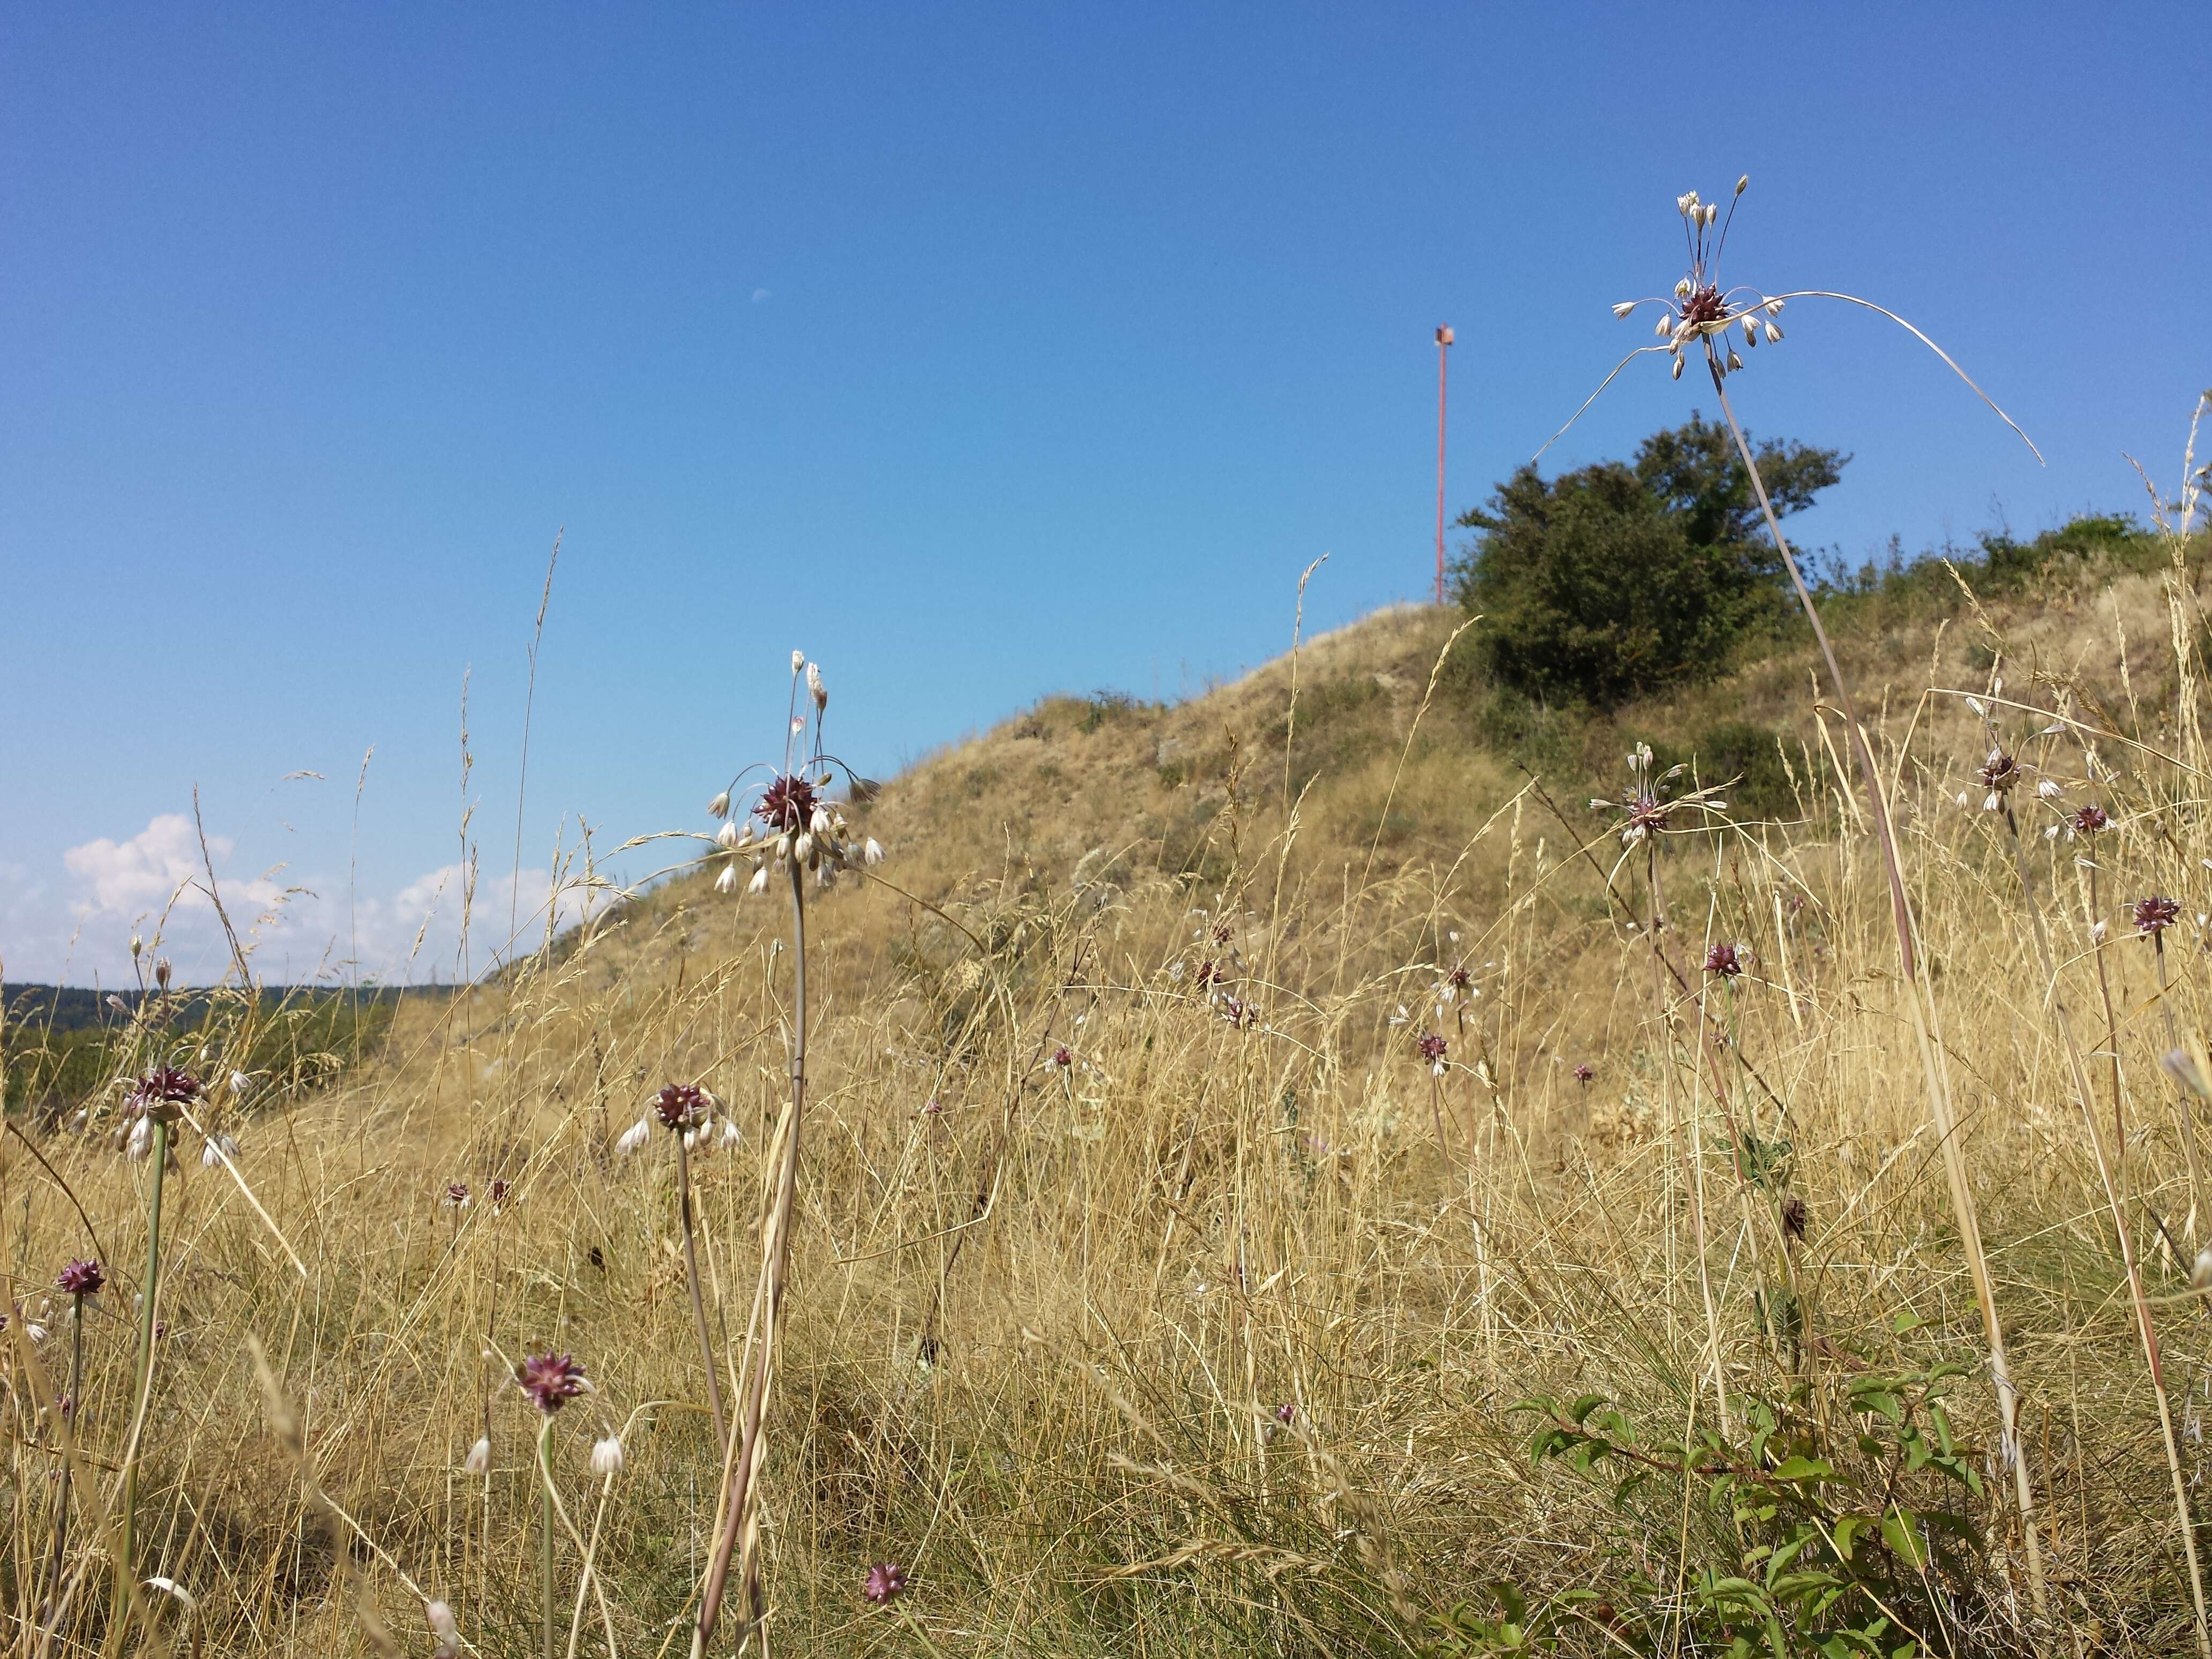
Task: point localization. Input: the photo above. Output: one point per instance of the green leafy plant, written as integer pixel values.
(1802, 1535)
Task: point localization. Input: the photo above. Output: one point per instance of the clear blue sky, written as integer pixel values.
(979, 351)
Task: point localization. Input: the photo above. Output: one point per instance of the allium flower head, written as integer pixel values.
(886, 1580)
(787, 805)
(1286, 1412)
(1702, 315)
(1062, 1058)
(457, 1196)
(551, 1380)
(2087, 820)
(2153, 916)
(682, 1106)
(83, 1277)
(1998, 775)
(1726, 960)
(162, 1093)
(1431, 1048)
(1585, 1072)
(499, 1191)
(1646, 801)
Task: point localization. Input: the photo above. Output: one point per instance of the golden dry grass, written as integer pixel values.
(1044, 1317)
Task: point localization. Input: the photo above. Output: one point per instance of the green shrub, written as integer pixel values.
(1614, 580)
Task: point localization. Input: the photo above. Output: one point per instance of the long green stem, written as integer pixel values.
(68, 1460)
(1939, 1097)
(125, 1576)
(545, 1537)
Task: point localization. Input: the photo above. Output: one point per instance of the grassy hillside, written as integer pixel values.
(1275, 1172)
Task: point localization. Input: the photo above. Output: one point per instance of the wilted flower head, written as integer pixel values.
(83, 1277)
(1726, 960)
(162, 1093)
(551, 1380)
(886, 1580)
(161, 972)
(1997, 775)
(682, 1106)
(2153, 916)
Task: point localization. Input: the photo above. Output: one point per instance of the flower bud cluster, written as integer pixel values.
(794, 824)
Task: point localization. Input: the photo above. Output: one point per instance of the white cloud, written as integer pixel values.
(293, 928)
(760, 295)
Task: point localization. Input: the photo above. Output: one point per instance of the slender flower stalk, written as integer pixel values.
(685, 1110)
(552, 1381)
(1702, 316)
(79, 1279)
(155, 1104)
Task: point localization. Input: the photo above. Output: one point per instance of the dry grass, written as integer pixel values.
(1044, 1317)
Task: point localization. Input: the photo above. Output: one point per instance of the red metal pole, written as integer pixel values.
(1443, 344)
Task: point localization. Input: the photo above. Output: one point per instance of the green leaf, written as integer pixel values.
(1847, 1529)
(1805, 1469)
(1898, 1533)
(1584, 1406)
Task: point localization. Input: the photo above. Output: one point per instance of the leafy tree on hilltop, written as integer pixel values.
(1615, 580)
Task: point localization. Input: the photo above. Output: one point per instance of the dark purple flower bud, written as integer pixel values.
(1585, 1072)
(1457, 979)
(457, 1196)
(162, 1092)
(1284, 1412)
(1431, 1048)
(787, 805)
(1999, 773)
(1063, 1057)
(1726, 960)
(681, 1106)
(83, 1277)
(887, 1579)
(2088, 820)
(499, 1191)
(2153, 916)
(552, 1380)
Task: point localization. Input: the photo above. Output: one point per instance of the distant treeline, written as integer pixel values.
(61, 1044)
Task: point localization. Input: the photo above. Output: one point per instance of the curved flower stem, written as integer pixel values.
(698, 1295)
(125, 1576)
(742, 1463)
(1939, 1097)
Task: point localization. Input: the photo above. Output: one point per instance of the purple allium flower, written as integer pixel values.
(681, 1106)
(2153, 916)
(1726, 960)
(1646, 812)
(83, 1277)
(1207, 974)
(2088, 820)
(457, 1196)
(1284, 1412)
(499, 1190)
(1063, 1057)
(787, 805)
(1585, 1072)
(550, 1379)
(1458, 979)
(1221, 933)
(1432, 1047)
(886, 1580)
(1999, 773)
(161, 1092)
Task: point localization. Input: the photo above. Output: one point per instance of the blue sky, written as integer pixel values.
(979, 351)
